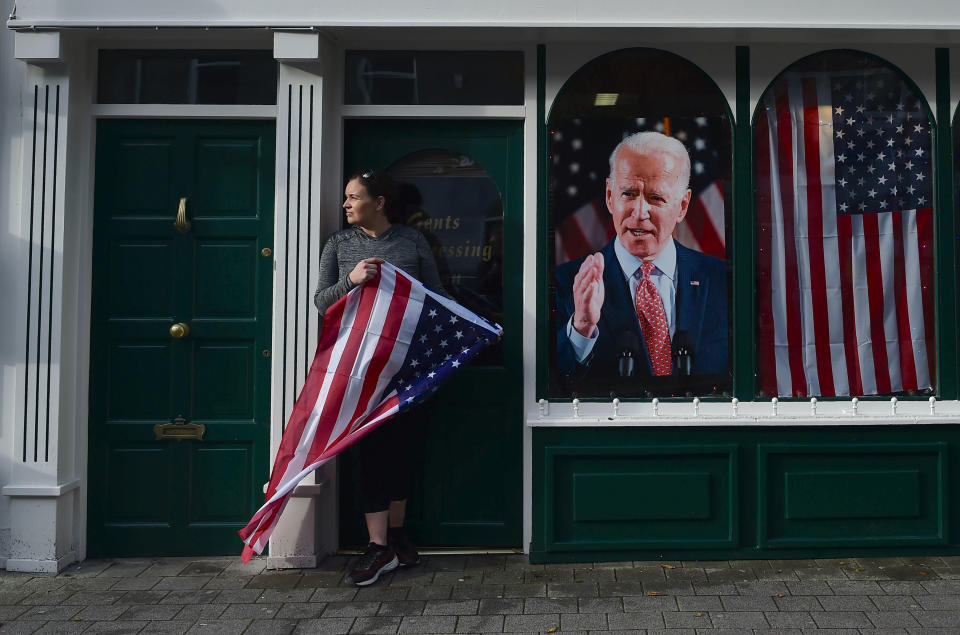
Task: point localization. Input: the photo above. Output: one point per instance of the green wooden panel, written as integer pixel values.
(132, 496)
(641, 496)
(844, 493)
(225, 282)
(835, 494)
(208, 465)
(147, 276)
(796, 492)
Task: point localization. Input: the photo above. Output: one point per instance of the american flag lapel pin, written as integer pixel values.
(694, 283)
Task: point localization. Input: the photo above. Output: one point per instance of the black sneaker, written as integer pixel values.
(376, 559)
(406, 553)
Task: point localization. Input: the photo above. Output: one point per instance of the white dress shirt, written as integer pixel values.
(664, 277)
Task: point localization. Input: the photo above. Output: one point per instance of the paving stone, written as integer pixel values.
(730, 575)
(594, 575)
(531, 623)
(550, 605)
(375, 624)
(197, 612)
(324, 625)
(285, 595)
(633, 603)
(453, 577)
(480, 624)
(404, 607)
(506, 576)
(139, 583)
(896, 587)
(315, 579)
(841, 619)
(10, 612)
(636, 620)
(892, 619)
(270, 627)
(126, 569)
(790, 619)
(583, 622)
(451, 607)
(798, 603)
(737, 619)
(500, 606)
(430, 592)
(821, 573)
(228, 627)
(351, 609)
(896, 602)
(203, 568)
(600, 605)
(250, 611)
(115, 627)
(190, 596)
(62, 628)
(714, 588)
(182, 584)
(143, 597)
(446, 563)
(51, 613)
(942, 586)
(748, 603)
(809, 588)
(335, 594)
(237, 596)
(686, 619)
(612, 589)
(46, 598)
(428, 624)
(854, 587)
(943, 619)
(101, 613)
(21, 626)
(699, 603)
(173, 627)
(274, 581)
(770, 588)
(163, 569)
(572, 589)
(476, 591)
(846, 603)
(150, 612)
(301, 610)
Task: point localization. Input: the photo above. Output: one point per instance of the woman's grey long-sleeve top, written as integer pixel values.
(401, 246)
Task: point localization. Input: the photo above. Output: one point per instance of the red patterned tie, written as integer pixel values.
(653, 322)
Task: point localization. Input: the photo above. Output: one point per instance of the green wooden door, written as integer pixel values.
(461, 185)
(179, 497)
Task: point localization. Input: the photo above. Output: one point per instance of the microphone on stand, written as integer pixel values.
(682, 348)
(629, 346)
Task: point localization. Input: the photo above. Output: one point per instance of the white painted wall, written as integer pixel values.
(939, 14)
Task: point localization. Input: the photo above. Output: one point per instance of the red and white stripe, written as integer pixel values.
(363, 344)
(844, 301)
(583, 232)
(703, 229)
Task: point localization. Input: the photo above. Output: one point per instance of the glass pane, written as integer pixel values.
(186, 77)
(845, 235)
(434, 77)
(457, 206)
(640, 214)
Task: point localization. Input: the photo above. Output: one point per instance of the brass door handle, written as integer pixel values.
(182, 224)
(179, 330)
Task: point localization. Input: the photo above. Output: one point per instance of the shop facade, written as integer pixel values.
(170, 174)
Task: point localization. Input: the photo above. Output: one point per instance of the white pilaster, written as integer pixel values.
(42, 487)
(305, 532)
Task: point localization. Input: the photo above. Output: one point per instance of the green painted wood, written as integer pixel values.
(150, 497)
(467, 489)
(641, 495)
(630, 495)
(794, 492)
(543, 222)
(743, 250)
(945, 236)
(839, 494)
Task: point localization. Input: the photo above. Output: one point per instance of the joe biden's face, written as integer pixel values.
(647, 199)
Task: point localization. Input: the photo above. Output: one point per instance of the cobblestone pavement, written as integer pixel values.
(491, 593)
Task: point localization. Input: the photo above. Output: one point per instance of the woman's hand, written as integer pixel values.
(365, 270)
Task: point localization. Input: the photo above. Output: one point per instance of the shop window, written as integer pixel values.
(186, 77)
(845, 231)
(434, 77)
(661, 197)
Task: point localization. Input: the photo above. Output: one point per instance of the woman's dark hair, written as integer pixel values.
(380, 183)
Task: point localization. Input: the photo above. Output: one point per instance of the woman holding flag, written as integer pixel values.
(351, 257)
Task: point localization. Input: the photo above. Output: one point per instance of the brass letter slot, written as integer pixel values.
(179, 430)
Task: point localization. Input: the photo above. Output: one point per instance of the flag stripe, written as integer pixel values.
(765, 343)
(924, 220)
(908, 369)
(845, 261)
(874, 277)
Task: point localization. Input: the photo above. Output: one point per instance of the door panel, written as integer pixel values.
(460, 184)
(179, 497)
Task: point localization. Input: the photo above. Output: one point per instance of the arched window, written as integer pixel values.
(610, 100)
(845, 234)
